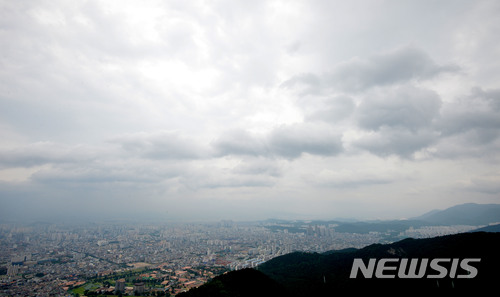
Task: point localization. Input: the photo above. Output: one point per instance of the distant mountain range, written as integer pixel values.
(302, 274)
(464, 214)
(472, 214)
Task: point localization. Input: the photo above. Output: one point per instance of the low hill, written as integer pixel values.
(322, 274)
(242, 283)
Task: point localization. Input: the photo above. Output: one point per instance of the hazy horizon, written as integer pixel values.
(196, 110)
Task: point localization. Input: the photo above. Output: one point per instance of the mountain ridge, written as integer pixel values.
(463, 214)
(302, 274)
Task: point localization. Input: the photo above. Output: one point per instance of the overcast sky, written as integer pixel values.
(247, 109)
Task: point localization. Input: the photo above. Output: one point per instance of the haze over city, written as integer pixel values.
(246, 110)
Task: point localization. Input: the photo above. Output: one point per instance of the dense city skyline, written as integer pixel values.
(47, 259)
(209, 110)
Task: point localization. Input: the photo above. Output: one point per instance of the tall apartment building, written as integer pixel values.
(120, 285)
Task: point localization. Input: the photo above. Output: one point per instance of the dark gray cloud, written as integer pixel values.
(42, 153)
(336, 109)
(92, 174)
(161, 145)
(405, 107)
(476, 115)
(402, 116)
(400, 65)
(389, 141)
(293, 140)
(233, 182)
(259, 166)
(307, 83)
(469, 126)
(287, 141)
(408, 119)
(240, 142)
(351, 177)
(353, 183)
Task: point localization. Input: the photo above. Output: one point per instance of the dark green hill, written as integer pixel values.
(241, 283)
(321, 274)
(311, 274)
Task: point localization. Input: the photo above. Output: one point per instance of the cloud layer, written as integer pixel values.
(248, 110)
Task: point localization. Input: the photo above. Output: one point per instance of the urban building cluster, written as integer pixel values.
(51, 260)
(432, 231)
